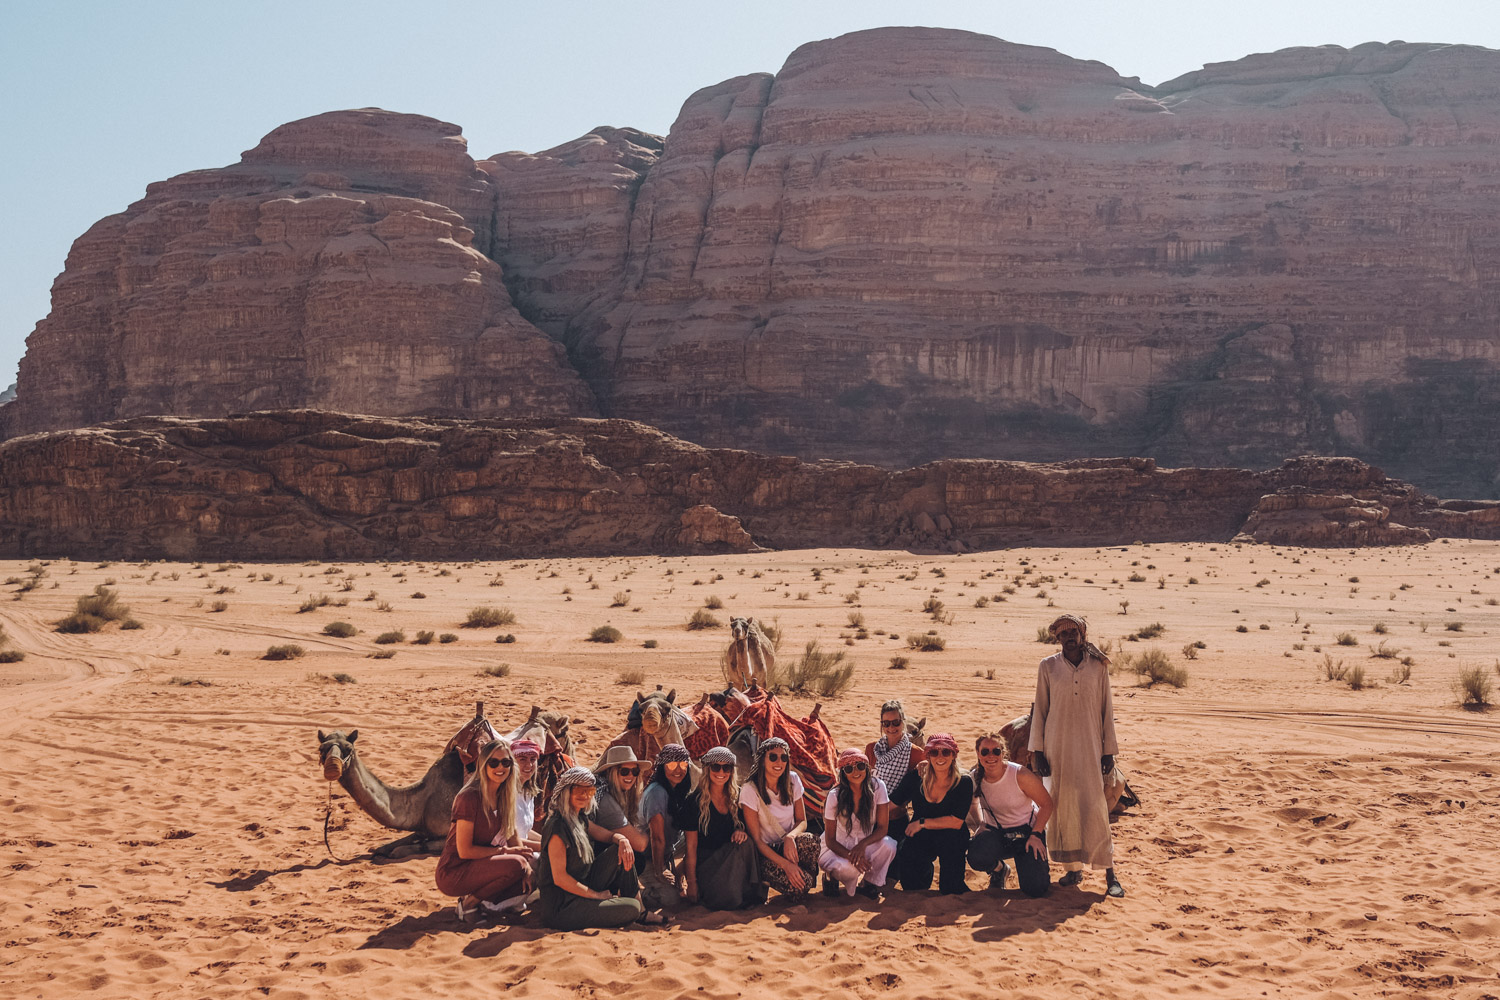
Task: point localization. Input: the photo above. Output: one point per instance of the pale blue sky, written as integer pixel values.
(98, 99)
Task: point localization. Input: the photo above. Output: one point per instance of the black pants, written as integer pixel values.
(916, 854)
(990, 847)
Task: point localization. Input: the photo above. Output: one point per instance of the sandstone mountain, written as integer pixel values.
(908, 244)
(307, 484)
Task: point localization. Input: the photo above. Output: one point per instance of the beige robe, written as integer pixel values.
(1073, 723)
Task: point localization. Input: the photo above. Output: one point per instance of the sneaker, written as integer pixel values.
(998, 876)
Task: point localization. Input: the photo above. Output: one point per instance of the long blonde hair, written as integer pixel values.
(706, 804)
(573, 822)
(630, 800)
(498, 799)
(930, 780)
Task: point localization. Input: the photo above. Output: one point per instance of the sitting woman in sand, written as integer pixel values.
(717, 856)
(940, 797)
(856, 852)
(530, 814)
(617, 808)
(472, 867)
(1008, 819)
(581, 886)
(771, 802)
(663, 799)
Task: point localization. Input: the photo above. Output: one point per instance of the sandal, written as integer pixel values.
(465, 913)
(652, 918)
(1116, 889)
(1071, 878)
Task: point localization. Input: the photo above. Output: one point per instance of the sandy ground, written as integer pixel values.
(1295, 837)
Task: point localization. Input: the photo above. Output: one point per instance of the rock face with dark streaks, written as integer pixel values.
(307, 484)
(906, 244)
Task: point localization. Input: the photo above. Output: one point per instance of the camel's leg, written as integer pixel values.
(412, 843)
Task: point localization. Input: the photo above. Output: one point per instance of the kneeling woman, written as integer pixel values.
(484, 861)
(777, 820)
(855, 845)
(581, 886)
(1009, 819)
(940, 798)
(718, 856)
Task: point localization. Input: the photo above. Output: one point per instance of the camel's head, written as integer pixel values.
(739, 628)
(917, 730)
(335, 750)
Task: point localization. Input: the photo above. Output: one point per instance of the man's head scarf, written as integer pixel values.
(1083, 634)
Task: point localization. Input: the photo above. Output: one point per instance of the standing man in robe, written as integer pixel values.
(1073, 747)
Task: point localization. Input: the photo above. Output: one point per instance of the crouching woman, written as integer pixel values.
(857, 854)
(718, 855)
(584, 885)
(1008, 819)
(484, 862)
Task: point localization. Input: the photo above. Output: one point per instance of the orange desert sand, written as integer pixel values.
(1295, 837)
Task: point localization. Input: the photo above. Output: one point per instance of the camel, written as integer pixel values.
(1117, 791)
(751, 655)
(426, 808)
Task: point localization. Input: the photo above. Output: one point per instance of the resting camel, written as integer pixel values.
(425, 808)
(751, 655)
(1117, 791)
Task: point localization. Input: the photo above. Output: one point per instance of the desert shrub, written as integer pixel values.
(1043, 634)
(1385, 651)
(189, 682)
(1151, 631)
(899, 663)
(506, 638)
(856, 620)
(447, 637)
(343, 678)
(631, 676)
(1136, 578)
(1156, 667)
(387, 638)
(1401, 673)
(1242, 628)
(1190, 652)
(418, 596)
(1379, 628)
(620, 600)
(78, 623)
(929, 643)
(1454, 626)
(1472, 687)
(823, 675)
(218, 606)
(702, 619)
(130, 625)
(11, 656)
(383, 654)
(649, 644)
(1346, 639)
(494, 670)
(340, 630)
(713, 603)
(102, 603)
(489, 617)
(1356, 678)
(424, 638)
(605, 633)
(314, 602)
(1333, 670)
(290, 651)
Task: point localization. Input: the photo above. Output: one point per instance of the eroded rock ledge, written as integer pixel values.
(298, 484)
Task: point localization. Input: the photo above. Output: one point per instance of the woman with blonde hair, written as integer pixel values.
(940, 796)
(1008, 819)
(856, 851)
(717, 855)
(581, 886)
(776, 819)
(484, 862)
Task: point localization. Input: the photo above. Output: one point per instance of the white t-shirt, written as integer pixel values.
(855, 831)
(525, 814)
(786, 815)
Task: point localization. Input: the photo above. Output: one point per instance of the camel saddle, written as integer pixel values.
(470, 740)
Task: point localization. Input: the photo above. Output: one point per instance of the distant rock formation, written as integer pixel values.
(306, 484)
(908, 244)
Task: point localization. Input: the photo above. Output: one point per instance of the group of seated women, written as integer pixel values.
(607, 851)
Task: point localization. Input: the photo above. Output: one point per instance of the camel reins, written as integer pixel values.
(328, 812)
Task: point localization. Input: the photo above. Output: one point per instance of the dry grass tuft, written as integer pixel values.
(823, 675)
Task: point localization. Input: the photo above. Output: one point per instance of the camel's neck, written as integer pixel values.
(386, 805)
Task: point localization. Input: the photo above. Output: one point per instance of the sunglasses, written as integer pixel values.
(629, 772)
(890, 723)
(773, 755)
(852, 768)
(991, 752)
(940, 753)
(720, 768)
(498, 762)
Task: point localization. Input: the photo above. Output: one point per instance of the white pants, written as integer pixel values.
(880, 855)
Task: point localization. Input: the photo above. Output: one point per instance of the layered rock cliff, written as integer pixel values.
(907, 244)
(307, 484)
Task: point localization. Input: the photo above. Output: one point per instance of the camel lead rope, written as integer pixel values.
(327, 818)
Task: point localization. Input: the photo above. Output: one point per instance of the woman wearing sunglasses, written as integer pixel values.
(664, 797)
(856, 852)
(472, 868)
(771, 802)
(717, 854)
(940, 797)
(893, 757)
(1009, 819)
(617, 807)
(581, 881)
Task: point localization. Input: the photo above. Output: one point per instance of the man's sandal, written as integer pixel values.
(1071, 878)
(1116, 889)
